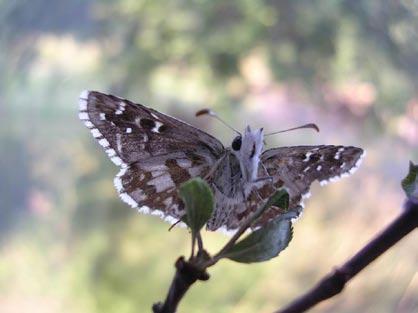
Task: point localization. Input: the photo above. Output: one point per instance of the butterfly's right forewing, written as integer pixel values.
(156, 152)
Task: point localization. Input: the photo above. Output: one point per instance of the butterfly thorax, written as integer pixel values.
(237, 171)
(247, 149)
(228, 178)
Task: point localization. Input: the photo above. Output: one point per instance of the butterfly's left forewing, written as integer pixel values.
(296, 168)
(156, 152)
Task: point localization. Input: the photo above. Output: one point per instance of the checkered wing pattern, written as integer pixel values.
(156, 152)
(295, 168)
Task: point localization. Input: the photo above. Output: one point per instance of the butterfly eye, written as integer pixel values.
(236, 143)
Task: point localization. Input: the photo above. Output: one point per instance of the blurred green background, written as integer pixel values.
(68, 244)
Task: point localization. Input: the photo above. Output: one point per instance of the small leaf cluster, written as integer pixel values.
(261, 244)
(410, 183)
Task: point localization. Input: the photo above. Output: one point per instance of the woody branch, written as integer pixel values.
(334, 283)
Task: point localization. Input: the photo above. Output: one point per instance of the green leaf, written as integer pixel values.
(265, 243)
(279, 199)
(198, 200)
(410, 182)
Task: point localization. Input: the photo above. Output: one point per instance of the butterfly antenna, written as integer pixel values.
(213, 114)
(310, 125)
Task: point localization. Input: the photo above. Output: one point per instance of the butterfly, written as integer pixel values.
(156, 153)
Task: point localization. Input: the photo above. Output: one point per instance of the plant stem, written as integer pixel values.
(199, 242)
(248, 222)
(193, 245)
(186, 275)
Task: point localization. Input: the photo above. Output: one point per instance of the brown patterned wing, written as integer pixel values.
(151, 185)
(130, 132)
(299, 166)
(156, 152)
(295, 168)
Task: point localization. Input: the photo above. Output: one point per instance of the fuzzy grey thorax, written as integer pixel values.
(247, 148)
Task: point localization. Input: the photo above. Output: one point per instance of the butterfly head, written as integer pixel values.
(247, 148)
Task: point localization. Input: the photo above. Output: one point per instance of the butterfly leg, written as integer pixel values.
(213, 168)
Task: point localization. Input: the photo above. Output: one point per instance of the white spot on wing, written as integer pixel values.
(156, 127)
(111, 152)
(226, 231)
(95, 132)
(117, 160)
(319, 167)
(82, 103)
(129, 130)
(162, 182)
(83, 116)
(128, 199)
(307, 155)
(304, 197)
(84, 94)
(158, 213)
(121, 108)
(144, 210)
(118, 183)
(102, 117)
(356, 166)
(104, 143)
(119, 142)
(346, 174)
(184, 163)
(89, 124)
(338, 154)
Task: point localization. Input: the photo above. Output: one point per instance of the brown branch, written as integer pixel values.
(186, 275)
(334, 282)
(188, 272)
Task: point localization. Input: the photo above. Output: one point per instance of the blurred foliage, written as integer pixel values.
(68, 244)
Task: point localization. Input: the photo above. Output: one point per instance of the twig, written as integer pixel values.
(199, 242)
(334, 282)
(186, 275)
(241, 230)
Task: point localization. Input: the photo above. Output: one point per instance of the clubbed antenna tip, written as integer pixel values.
(213, 114)
(205, 112)
(310, 125)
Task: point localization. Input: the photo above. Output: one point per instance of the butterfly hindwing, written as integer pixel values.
(151, 185)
